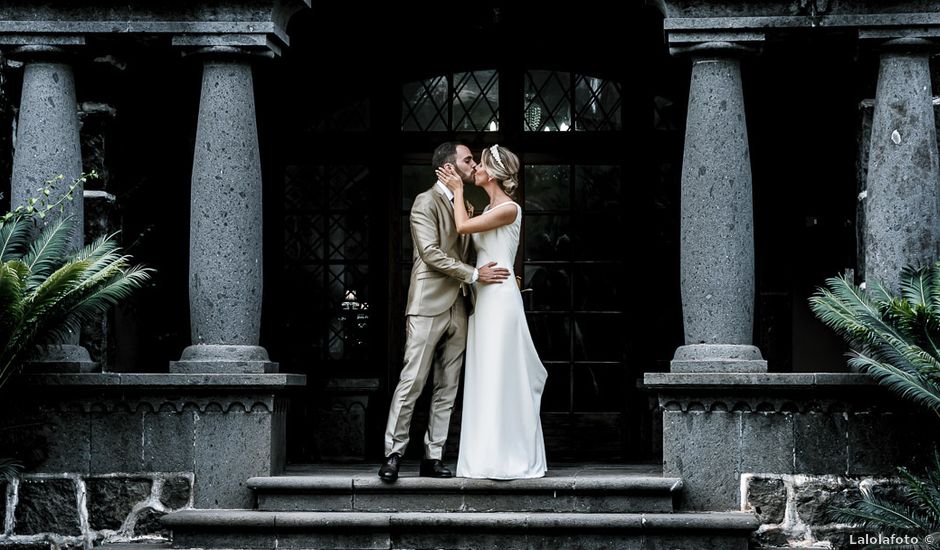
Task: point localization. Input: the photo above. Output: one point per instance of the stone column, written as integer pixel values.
(225, 224)
(47, 145)
(902, 198)
(717, 229)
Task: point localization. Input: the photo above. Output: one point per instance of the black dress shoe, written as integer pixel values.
(432, 467)
(389, 470)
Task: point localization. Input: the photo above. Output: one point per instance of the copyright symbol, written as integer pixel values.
(928, 539)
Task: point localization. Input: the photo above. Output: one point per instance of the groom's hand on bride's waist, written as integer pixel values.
(491, 273)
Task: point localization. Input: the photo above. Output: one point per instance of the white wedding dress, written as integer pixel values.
(501, 433)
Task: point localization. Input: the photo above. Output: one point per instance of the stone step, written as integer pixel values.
(243, 529)
(557, 492)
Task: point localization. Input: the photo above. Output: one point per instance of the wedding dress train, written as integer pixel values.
(501, 432)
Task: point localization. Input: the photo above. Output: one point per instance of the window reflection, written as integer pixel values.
(573, 260)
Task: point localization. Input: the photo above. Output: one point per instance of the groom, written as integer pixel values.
(435, 317)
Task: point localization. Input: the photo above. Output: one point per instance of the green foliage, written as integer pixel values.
(895, 339)
(914, 512)
(46, 293)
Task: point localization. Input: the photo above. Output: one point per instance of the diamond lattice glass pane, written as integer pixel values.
(349, 308)
(301, 189)
(547, 101)
(347, 277)
(476, 101)
(303, 238)
(347, 186)
(349, 237)
(596, 104)
(424, 105)
(547, 187)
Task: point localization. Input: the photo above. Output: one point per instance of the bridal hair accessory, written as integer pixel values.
(494, 150)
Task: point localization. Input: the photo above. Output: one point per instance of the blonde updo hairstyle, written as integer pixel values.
(505, 167)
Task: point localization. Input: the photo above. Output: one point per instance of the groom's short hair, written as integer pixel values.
(445, 152)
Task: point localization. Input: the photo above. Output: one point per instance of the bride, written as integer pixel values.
(501, 433)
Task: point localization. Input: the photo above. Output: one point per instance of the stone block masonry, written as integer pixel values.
(71, 510)
(794, 509)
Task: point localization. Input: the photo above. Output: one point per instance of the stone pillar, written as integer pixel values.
(902, 199)
(225, 224)
(47, 145)
(717, 229)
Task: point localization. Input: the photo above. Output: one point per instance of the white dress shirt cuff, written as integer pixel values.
(475, 276)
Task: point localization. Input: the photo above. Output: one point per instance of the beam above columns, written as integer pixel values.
(695, 21)
(261, 23)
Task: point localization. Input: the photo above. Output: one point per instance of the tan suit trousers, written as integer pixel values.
(437, 342)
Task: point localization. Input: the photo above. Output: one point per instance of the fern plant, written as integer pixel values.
(896, 340)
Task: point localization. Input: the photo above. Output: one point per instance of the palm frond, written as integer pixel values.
(882, 515)
(53, 288)
(915, 286)
(9, 469)
(935, 290)
(923, 495)
(47, 253)
(11, 296)
(99, 247)
(14, 238)
(84, 306)
(922, 391)
(850, 312)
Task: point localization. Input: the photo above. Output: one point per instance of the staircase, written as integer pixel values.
(616, 507)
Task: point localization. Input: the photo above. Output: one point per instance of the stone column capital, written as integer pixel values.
(715, 50)
(904, 45)
(231, 53)
(26, 53)
(227, 46)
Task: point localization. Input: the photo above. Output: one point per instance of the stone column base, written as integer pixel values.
(223, 359)
(718, 358)
(60, 359)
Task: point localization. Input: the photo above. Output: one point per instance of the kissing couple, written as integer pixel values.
(456, 255)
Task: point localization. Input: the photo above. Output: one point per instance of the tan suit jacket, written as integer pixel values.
(439, 268)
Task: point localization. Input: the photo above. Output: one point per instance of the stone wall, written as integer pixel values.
(69, 510)
(794, 509)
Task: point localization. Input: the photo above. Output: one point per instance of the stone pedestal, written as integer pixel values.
(717, 233)
(47, 146)
(719, 428)
(225, 257)
(902, 198)
(219, 430)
